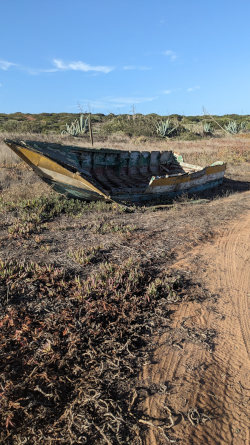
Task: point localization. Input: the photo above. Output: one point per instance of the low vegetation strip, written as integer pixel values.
(32, 215)
(71, 350)
(136, 124)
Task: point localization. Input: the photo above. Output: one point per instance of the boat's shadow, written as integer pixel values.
(228, 187)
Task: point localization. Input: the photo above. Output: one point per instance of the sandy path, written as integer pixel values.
(193, 376)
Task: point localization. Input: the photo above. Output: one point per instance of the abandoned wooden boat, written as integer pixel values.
(92, 174)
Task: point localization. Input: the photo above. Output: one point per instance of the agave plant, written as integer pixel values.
(207, 128)
(243, 125)
(165, 128)
(232, 127)
(77, 127)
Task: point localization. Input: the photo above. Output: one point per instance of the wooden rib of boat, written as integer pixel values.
(92, 174)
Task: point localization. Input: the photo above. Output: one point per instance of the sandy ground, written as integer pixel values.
(205, 390)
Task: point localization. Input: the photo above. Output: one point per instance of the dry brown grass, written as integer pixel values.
(203, 151)
(18, 182)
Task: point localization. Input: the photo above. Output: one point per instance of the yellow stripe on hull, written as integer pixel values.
(181, 179)
(49, 169)
(215, 168)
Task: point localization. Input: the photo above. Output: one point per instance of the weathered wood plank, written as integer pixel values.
(104, 173)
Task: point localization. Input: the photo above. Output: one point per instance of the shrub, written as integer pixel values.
(136, 125)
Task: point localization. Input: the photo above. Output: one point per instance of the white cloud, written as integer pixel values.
(108, 103)
(174, 90)
(81, 66)
(191, 89)
(134, 67)
(38, 71)
(59, 65)
(5, 65)
(170, 53)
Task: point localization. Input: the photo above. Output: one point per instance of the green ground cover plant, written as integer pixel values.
(32, 215)
(71, 349)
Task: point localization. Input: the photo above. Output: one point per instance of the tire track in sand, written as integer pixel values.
(216, 382)
(236, 271)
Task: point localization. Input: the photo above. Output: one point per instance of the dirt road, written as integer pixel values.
(203, 365)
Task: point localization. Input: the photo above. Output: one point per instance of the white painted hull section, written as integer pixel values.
(185, 186)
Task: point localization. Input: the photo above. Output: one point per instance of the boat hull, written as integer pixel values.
(115, 174)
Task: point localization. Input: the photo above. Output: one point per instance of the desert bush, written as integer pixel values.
(137, 125)
(190, 136)
(10, 125)
(23, 126)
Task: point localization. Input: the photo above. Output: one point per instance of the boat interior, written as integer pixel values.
(113, 170)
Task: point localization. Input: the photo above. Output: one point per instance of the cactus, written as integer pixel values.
(165, 129)
(77, 127)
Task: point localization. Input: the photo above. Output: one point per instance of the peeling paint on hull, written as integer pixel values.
(93, 174)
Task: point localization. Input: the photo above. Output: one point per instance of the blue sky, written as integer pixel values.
(107, 56)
